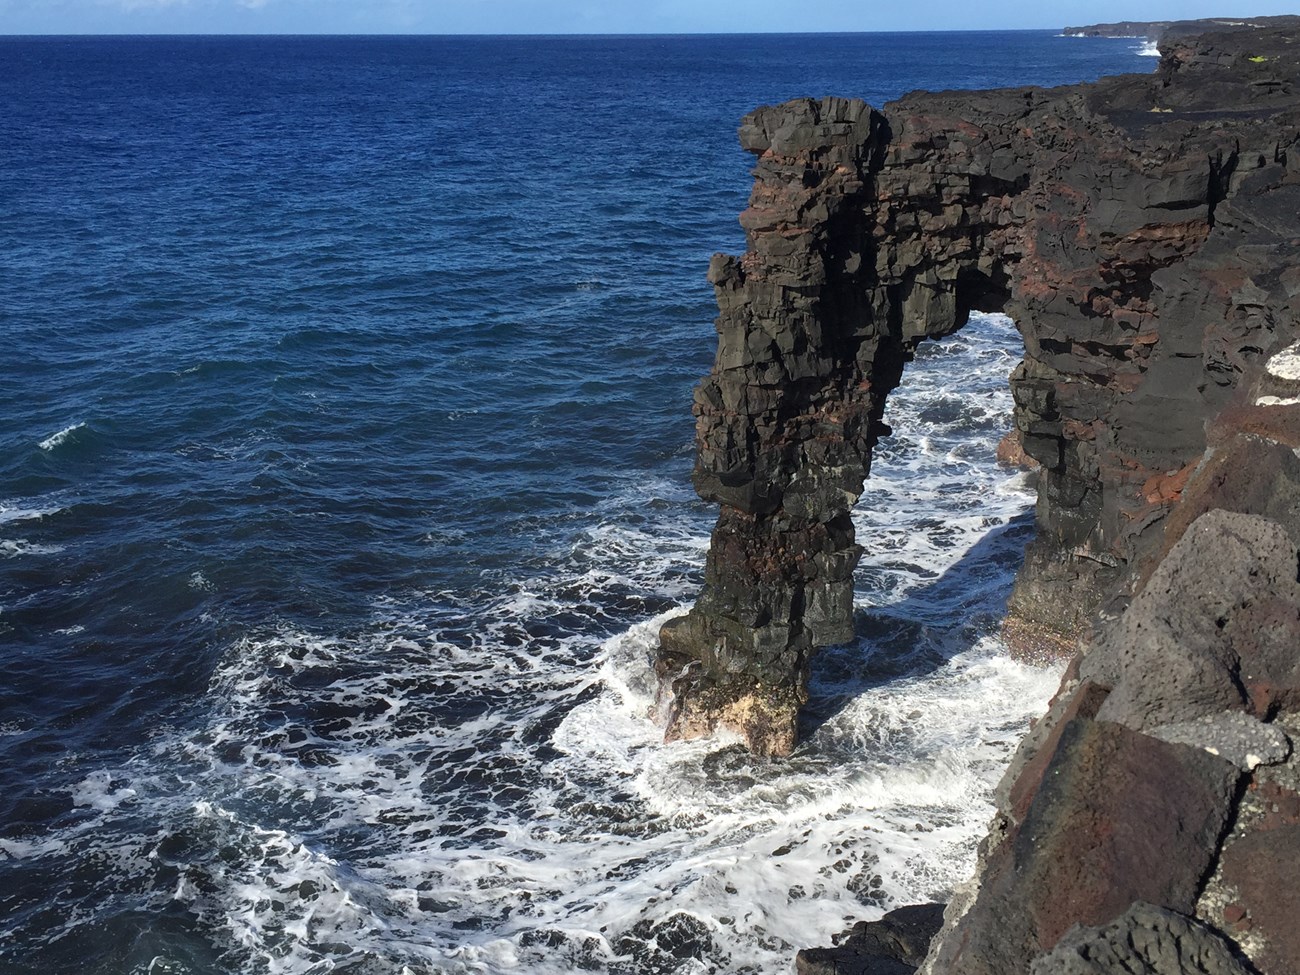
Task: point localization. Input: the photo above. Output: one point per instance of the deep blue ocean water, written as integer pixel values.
(344, 478)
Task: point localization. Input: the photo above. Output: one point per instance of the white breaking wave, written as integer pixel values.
(201, 583)
(9, 513)
(13, 548)
(1149, 49)
(22, 511)
(98, 791)
(58, 439)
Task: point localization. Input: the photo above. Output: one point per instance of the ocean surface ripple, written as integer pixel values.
(344, 482)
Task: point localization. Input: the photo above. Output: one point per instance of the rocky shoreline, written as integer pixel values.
(1157, 30)
(1144, 234)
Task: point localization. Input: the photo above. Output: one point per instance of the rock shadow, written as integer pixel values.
(923, 631)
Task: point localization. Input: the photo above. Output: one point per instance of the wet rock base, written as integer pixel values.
(894, 945)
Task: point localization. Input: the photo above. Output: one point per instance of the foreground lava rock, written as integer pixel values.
(1143, 234)
(1149, 822)
(894, 945)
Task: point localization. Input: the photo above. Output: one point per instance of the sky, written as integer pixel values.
(585, 16)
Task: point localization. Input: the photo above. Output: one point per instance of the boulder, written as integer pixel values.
(894, 945)
(1144, 940)
(1119, 817)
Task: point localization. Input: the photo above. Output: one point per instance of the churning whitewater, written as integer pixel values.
(464, 786)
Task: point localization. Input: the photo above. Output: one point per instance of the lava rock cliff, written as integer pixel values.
(1141, 232)
(1144, 234)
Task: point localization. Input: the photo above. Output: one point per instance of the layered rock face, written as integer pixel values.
(1150, 822)
(1143, 234)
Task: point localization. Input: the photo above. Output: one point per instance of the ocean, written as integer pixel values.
(345, 443)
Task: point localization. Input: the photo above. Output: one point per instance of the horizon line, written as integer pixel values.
(561, 35)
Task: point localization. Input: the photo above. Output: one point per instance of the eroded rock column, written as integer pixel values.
(785, 425)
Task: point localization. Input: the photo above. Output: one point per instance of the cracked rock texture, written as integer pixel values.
(1145, 940)
(1142, 233)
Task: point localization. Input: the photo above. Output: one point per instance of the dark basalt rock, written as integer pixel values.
(659, 948)
(894, 945)
(1145, 940)
(1141, 231)
(1151, 29)
(1155, 30)
(1262, 867)
(1221, 612)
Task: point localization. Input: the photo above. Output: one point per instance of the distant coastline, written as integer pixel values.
(1156, 30)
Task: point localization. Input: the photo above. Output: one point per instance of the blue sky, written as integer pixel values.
(581, 16)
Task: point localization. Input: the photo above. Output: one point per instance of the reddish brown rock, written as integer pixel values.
(1242, 472)
(1277, 423)
(1085, 702)
(1011, 452)
(1119, 817)
(1163, 488)
(1037, 643)
(1281, 806)
(1264, 866)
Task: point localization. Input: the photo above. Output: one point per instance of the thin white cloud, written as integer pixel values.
(132, 5)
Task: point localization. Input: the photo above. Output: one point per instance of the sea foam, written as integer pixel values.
(21, 512)
(475, 784)
(15, 547)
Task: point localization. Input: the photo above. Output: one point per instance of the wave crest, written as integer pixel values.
(55, 440)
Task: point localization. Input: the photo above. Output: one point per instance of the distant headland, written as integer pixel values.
(1156, 30)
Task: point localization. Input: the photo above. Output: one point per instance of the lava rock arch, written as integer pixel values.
(1124, 226)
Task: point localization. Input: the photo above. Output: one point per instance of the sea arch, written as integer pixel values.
(868, 232)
